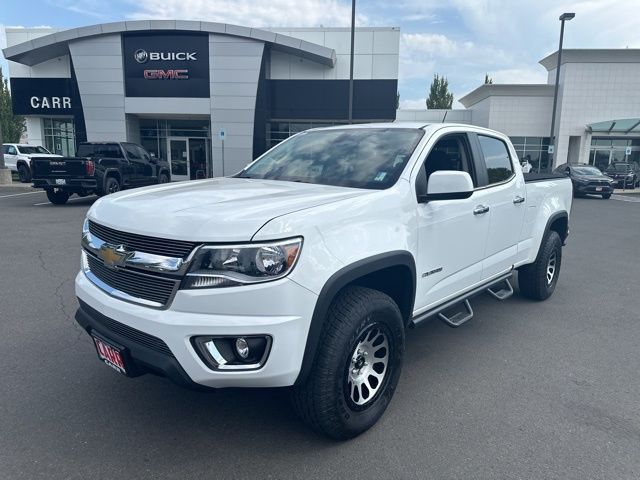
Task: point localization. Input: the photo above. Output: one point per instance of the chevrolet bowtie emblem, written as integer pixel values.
(114, 256)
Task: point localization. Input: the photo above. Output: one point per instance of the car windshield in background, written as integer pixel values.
(99, 150)
(619, 167)
(32, 150)
(587, 171)
(370, 158)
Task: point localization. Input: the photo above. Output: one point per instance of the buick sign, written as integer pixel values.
(163, 64)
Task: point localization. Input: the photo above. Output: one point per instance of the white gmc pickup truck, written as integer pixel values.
(305, 269)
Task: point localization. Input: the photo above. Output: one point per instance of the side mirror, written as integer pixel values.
(447, 185)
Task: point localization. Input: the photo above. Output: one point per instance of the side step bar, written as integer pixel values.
(459, 317)
(503, 293)
(456, 318)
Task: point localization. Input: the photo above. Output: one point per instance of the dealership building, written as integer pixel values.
(597, 116)
(208, 97)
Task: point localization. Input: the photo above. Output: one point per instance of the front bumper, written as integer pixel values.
(159, 341)
(593, 189)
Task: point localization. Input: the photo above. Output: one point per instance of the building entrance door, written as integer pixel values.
(188, 158)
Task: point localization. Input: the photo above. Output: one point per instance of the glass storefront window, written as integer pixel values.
(278, 131)
(532, 150)
(59, 136)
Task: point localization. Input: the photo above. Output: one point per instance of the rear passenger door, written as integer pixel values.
(505, 195)
(136, 163)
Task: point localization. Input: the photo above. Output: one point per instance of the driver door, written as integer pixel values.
(452, 234)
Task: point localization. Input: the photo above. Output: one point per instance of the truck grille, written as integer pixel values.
(142, 243)
(152, 288)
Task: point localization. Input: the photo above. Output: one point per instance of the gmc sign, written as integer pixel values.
(179, 59)
(178, 74)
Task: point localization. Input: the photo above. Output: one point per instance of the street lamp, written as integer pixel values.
(564, 17)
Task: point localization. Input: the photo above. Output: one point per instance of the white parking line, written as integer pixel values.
(18, 194)
(49, 203)
(625, 199)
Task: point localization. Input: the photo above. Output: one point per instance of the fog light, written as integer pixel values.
(242, 347)
(233, 353)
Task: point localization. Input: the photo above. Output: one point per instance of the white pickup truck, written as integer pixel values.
(306, 269)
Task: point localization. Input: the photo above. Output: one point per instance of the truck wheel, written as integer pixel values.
(23, 173)
(538, 280)
(58, 197)
(357, 365)
(111, 185)
(163, 178)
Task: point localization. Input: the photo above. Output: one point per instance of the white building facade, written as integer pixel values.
(597, 116)
(187, 89)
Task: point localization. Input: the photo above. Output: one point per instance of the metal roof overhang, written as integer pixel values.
(624, 126)
(55, 45)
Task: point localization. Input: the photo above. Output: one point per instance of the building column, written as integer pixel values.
(234, 65)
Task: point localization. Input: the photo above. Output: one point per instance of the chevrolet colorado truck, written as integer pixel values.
(307, 268)
(99, 168)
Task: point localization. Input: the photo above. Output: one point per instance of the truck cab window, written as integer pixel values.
(132, 151)
(449, 153)
(496, 158)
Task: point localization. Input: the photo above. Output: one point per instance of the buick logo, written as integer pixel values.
(141, 56)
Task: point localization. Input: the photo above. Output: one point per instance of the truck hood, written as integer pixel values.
(216, 210)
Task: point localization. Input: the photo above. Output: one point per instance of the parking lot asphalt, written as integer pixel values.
(524, 390)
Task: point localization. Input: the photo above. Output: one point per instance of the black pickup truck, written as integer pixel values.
(99, 168)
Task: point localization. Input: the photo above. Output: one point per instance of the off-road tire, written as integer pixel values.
(24, 174)
(533, 279)
(324, 400)
(57, 197)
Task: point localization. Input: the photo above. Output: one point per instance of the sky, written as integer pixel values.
(460, 39)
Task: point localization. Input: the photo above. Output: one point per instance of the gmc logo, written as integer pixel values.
(171, 74)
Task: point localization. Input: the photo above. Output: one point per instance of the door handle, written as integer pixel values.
(518, 199)
(480, 210)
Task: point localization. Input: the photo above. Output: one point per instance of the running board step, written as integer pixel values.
(459, 317)
(501, 290)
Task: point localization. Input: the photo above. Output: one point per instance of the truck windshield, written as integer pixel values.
(33, 150)
(102, 150)
(370, 158)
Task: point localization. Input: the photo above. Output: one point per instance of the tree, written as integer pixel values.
(487, 79)
(12, 125)
(439, 95)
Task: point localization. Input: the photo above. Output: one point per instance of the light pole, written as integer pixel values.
(563, 18)
(353, 34)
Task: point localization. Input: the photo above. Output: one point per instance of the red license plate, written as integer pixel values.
(110, 354)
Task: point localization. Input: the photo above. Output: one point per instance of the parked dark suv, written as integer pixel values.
(587, 179)
(624, 174)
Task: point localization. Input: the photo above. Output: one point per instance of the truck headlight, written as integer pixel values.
(215, 266)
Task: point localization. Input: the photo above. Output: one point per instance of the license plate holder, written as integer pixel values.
(110, 354)
(61, 181)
